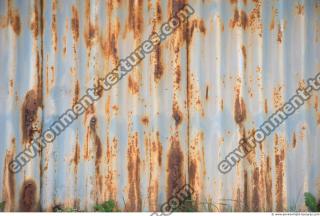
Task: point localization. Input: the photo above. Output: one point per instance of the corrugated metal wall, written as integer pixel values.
(172, 119)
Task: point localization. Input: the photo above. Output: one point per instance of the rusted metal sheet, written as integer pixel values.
(173, 118)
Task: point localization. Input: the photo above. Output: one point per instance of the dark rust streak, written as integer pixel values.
(34, 25)
(28, 197)
(158, 68)
(245, 191)
(239, 109)
(294, 140)
(135, 17)
(76, 92)
(244, 54)
(279, 161)
(268, 183)
(134, 196)
(29, 111)
(9, 180)
(207, 92)
(75, 23)
(175, 167)
(176, 113)
(192, 173)
(255, 192)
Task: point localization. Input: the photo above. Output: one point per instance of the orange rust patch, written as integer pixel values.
(29, 115)
(145, 120)
(239, 109)
(279, 37)
(244, 54)
(75, 23)
(176, 114)
(233, 1)
(175, 167)
(133, 155)
(28, 202)
(133, 85)
(300, 9)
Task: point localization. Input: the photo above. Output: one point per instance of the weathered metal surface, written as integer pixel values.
(173, 118)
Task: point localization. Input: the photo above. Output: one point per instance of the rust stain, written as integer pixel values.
(175, 175)
(279, 37)
(265, 105)
(244, 54)
(240, 19)
(277, 97)
(14, 19)
(29, 111)
(54, 25)
(111, 180)
(9, 180)
(145, 120)
(294, 140)
(245, 191)
(76, 92)
(90, 30)
(274, 13)
(233, 1)
(133, 85)
(176, 113)
(34, 25)
(300, 9)
(192, 173)
(255, 192)
(239, 109)
(196, 24)
(135, 17)
(76, 158)
(158, 68)
(207, 92)
(75, 23)
(268, 183)
(134, 193)
(279, 163)
(28, 197)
